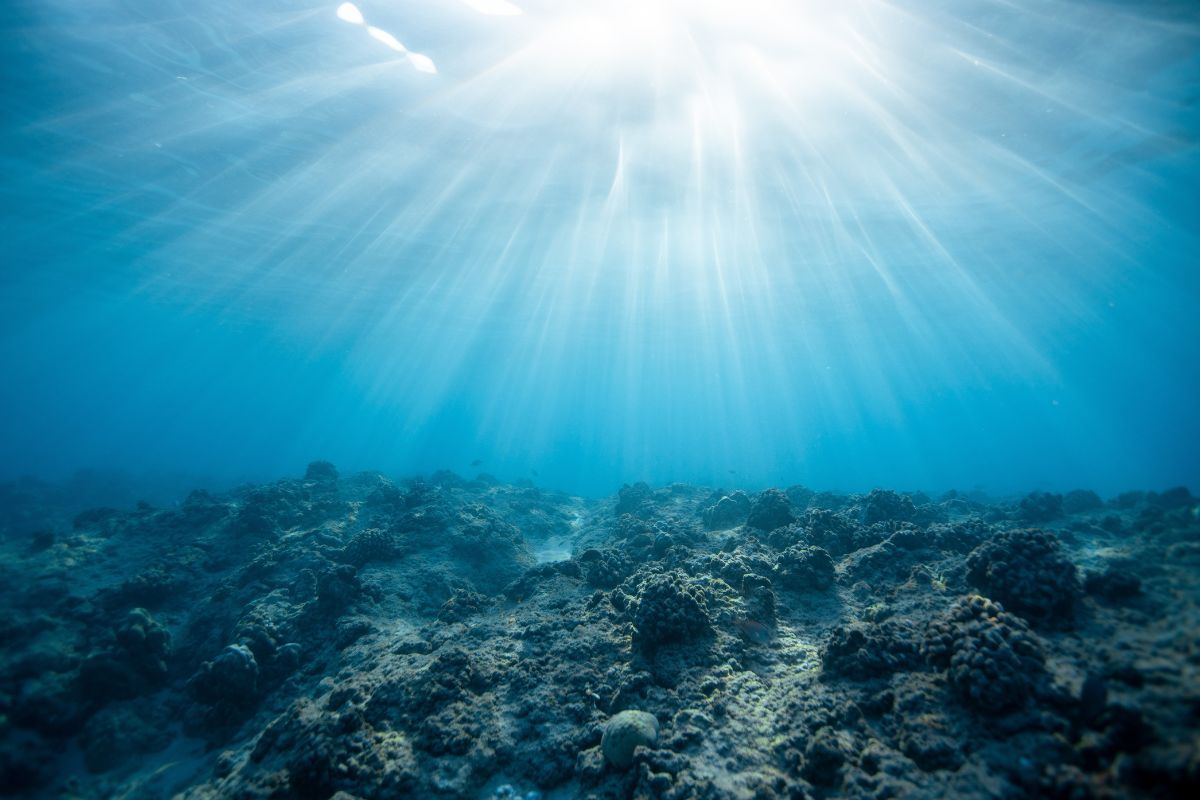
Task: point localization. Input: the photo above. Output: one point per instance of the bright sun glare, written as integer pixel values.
(656, 187)
(654, 40)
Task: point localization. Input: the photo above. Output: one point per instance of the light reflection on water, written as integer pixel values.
(848, 244)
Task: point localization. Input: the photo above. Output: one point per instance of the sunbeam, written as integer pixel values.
(763, 231)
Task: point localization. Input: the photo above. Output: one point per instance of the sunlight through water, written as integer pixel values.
(559, 399)
(349, 12)
(875, 242)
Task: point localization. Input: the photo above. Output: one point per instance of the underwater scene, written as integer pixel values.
(599, 399)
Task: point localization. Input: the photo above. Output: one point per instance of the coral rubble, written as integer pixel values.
(345, 636)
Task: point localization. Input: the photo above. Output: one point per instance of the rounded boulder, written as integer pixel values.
(623, 732)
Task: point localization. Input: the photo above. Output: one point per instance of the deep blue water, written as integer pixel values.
(843, 244)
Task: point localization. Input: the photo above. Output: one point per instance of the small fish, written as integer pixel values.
(733, 472)
(477, 462)
(534, 473)
(753, 631)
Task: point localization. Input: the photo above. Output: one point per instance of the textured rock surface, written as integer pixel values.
(669, 609)
(882, 505)
(804, 568)
(624, 732)
(1027, 570)
(992, 658)
(728, 511)
(355, 636)
(771, 509)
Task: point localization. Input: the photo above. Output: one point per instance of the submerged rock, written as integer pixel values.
(771, 509)
(824, 756)
(729, 511)
(882, 505)
(321, 471)
(633, 499)
(866, 651)
(804, 568)
(992, 658)
(1040, 507)
(625, 732)
(368, 638)
(1117, 582)
(230, 678)
(670, 609)
(1027, 571)
(373, 544)
(1081, 500)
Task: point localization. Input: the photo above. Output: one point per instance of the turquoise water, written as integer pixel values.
(765, 242)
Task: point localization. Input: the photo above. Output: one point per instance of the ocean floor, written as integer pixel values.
(350, 636)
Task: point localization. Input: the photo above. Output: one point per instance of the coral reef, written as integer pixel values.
(804, 568)
(770, 510)
(992, 657)
(865, 650)
(626, 731)
(1040, 507)
(728, 511)
(1080, 500)
(882, 505)
(669, 609)
(1026, 570)
(633, 499)
(340, 636)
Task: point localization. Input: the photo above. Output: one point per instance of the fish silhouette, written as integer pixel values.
(753, 631)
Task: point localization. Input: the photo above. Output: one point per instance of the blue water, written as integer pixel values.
(765, 242)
